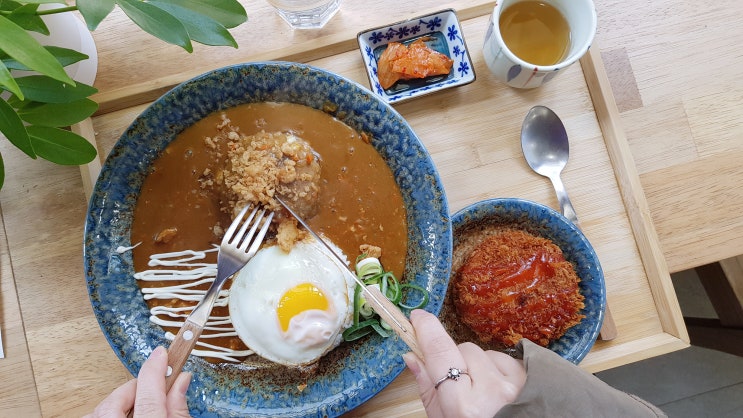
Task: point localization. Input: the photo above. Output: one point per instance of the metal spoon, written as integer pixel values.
(544, 143)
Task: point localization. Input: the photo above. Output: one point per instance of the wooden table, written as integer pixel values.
(672, 67)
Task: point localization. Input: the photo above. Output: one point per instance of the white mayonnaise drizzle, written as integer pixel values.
(121, 249)
(193, 273)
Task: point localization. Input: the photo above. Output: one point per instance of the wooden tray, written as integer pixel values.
(472, 134)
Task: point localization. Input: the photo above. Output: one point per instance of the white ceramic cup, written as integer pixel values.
(581, 17)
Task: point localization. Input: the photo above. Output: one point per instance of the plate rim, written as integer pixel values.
(105, 181)
(577, 355)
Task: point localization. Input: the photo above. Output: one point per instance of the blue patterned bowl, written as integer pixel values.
(228, 390)
(542, 221)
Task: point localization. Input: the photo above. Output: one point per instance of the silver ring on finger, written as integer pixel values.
(453, 374)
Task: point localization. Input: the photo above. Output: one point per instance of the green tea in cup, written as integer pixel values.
(536, 32)
(528, 42)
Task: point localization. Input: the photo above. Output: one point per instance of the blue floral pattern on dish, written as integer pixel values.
(546, 222)
(446, 34)
(227, 390)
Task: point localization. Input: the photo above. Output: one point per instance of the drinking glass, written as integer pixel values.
(306, 14)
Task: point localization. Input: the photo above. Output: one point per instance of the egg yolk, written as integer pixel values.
(298, 299)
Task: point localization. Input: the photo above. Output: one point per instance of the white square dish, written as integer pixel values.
(441, 32)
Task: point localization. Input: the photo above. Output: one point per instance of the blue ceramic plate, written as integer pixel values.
(441, 32)
(229, 390)
(542, 221)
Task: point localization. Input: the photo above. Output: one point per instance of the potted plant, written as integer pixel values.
(35, 110)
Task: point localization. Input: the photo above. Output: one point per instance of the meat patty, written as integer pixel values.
(516, 285)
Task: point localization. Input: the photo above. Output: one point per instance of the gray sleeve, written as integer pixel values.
(556, 387)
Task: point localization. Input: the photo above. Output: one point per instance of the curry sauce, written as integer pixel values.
(360, 203)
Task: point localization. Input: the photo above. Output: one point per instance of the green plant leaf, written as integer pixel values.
(57, 114)
(156, 22)
(45, 89)
(60, 146)
(2, 172)
(21, 46)
(15, 102)
(45, 1)
(8, 82)
(64, 56)
(229, 13)
(200, 28)
(12, 127)
(9, 5)
(94, 11)
(26, 17)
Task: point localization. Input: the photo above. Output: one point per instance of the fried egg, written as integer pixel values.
(292, 308)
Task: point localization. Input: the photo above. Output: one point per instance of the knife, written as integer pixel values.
(387, 310)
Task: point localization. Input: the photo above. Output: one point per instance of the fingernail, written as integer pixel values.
(159, 351)
(418, 314)
(412, 362)
(414, 315)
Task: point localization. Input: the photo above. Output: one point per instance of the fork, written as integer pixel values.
(236, 249)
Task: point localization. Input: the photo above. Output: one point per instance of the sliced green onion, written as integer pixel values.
(360, 257)
(385, 325)
(368, 267)
(424, 299)
(356, 304)
(365, 320)
(392, 291)
(383, 284)
(366, 310)
(359, 330)
(381, 330)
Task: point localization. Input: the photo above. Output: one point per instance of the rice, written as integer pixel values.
(259, 167)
